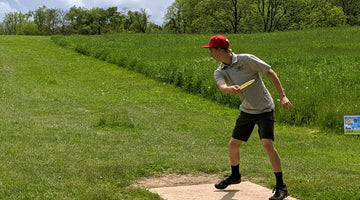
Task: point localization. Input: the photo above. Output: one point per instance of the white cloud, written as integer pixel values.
(71, 3)
(5, 8)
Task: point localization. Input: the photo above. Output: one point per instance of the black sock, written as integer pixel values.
(235, 171)
(279, 179)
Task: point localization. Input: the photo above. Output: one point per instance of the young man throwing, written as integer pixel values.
(257, 107)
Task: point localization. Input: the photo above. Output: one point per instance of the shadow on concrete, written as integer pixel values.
(230, 194)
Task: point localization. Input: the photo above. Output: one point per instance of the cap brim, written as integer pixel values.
(206, 46)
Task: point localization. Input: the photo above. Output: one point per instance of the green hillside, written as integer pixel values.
(75, 127)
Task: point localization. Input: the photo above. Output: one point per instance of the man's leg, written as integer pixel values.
(273, 154)
(235, 176)
(234, 154)
(281, 189)
(242, 130)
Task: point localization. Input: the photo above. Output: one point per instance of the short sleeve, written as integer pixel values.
(219, 76)
(258, 65)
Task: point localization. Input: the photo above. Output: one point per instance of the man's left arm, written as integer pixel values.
(286, 104)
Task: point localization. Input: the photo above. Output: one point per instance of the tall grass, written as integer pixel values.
(319, 69)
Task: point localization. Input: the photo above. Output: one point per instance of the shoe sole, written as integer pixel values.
(221, 188)
(287, 194)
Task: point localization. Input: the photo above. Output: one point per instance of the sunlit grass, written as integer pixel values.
(73, 127)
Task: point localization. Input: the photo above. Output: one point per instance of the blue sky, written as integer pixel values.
(155, 8)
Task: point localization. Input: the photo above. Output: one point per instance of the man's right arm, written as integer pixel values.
(233, 89)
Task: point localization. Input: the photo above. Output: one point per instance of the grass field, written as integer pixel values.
(319, 69)
(74, 127)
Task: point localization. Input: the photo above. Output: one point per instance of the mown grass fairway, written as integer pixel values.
(74, 127)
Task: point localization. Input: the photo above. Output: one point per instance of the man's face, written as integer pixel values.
(214, 53)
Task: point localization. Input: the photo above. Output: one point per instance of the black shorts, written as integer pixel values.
(246, 123)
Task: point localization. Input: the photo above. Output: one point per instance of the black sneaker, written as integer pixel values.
(280, 193)
(226, 182)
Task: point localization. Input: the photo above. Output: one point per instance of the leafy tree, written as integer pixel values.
(236, 12)
(219, 16)
(76, 17)
(49, 21)
(351, 9)
(96, 21)
(63, 22)
(174, 22)
(271, 12)
(180, 16)
(28, 28)
(153, 28)
(293, 15)
(12, 22)
(19, 24)
(304, 14)
(77, 20)
(189, 16)
(322, 13)
(115, 20)
(52, 20)
(40, 19)
(2, 30)
(210, 17)
(248, 16)
(139, 21)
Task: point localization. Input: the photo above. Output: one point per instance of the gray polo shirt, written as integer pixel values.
(255, 98)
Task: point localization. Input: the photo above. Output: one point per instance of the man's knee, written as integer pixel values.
(234, 143)
(268, 145)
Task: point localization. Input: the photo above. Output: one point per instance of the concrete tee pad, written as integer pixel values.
(244, 191)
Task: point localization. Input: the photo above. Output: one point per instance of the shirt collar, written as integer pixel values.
(233, 60)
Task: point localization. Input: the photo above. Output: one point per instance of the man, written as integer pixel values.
(257, 107)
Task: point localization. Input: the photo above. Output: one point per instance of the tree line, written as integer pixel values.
(249, 16)
(77, 20)
(189, 16)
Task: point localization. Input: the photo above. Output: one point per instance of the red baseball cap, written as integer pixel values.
(218, 41)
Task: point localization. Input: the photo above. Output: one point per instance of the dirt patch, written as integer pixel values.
(171, 180)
